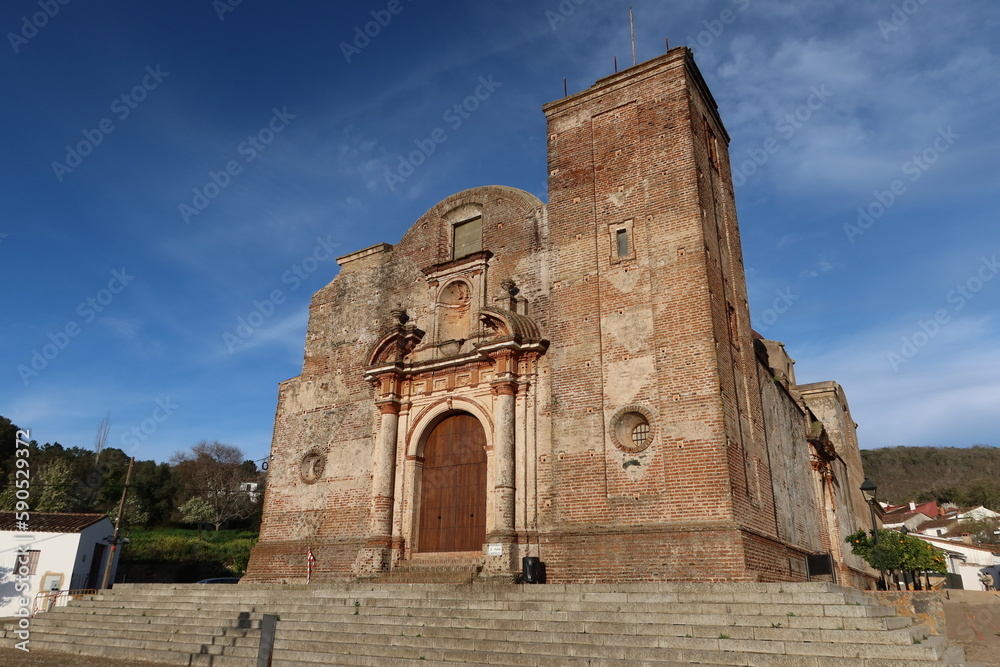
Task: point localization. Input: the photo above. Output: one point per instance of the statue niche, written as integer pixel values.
(454, 316)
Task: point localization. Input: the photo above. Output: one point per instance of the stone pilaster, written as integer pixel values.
(384, 470)
(377, 556)
(504, 389)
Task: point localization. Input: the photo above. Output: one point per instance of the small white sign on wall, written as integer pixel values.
(495, 549)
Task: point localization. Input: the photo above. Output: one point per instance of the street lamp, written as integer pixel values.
(868, 488)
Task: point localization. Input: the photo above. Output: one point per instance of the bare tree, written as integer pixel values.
(101, 437)
(214, 472)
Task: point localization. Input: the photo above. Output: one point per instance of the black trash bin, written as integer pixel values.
(532, 570)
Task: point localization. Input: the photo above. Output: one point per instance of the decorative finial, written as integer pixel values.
(399, 314)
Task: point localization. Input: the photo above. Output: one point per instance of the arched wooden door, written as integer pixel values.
(453, 490)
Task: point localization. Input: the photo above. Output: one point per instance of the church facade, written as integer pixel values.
(576, 380)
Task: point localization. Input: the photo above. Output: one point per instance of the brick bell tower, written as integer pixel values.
(659, 465)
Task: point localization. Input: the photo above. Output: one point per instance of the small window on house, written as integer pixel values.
(27, 559)
(468, 238)
(621, 238)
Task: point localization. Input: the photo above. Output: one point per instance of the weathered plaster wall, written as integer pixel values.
(797, 509)
(828, 402)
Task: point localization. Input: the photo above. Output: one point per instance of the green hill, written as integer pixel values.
(962, 475)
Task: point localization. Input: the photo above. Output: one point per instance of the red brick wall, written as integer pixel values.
(705, 554)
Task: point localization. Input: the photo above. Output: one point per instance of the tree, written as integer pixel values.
(197, 510)
(982, 492)
(156, 485)
(896, 551)
(136, 513)
(55, 485)
(214, 472)
(8, 444)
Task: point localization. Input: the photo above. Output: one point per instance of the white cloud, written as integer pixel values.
(945, 394)
(287, 331)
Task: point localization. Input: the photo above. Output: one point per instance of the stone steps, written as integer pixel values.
(805, 625)
(551, 632)
(625, 623)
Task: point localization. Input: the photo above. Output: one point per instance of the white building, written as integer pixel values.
(967, 560)
(978, 513)
(250, 488)
(63, 552)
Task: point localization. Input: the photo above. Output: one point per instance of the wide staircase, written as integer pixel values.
(597, 625)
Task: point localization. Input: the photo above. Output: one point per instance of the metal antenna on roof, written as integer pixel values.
(616, 64)
(631, 27)
(565, 89)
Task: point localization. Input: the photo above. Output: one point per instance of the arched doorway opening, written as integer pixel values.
(453, 487)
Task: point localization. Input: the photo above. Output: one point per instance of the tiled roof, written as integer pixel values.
(938, 523)
(900, 516)
(42, 522)
(991, 548)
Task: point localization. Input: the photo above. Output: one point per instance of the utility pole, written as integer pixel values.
(118, 527)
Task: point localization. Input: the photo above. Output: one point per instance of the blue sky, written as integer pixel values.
(177, 178)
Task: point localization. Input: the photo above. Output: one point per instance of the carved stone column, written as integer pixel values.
(384, 469)
(503, 447)
(377, 555)
(503, 536)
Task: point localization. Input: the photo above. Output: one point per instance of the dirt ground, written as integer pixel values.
(973, 619)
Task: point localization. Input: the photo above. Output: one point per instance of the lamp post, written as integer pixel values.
(868, 488)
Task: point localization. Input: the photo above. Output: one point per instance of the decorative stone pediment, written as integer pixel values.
(500, 330)
(394, 345)
(500, 324)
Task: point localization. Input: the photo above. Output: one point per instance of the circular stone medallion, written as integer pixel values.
(311, 467)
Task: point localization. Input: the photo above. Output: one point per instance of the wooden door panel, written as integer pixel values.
(453, 496)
